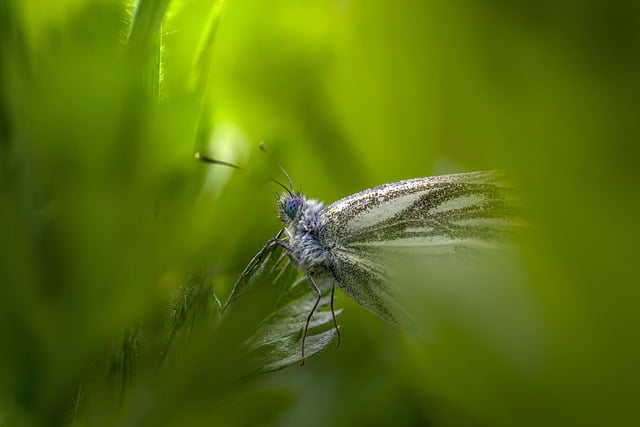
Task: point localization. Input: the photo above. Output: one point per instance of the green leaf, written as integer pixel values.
(277, 342)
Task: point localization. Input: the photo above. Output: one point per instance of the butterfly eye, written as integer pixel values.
(291, 206)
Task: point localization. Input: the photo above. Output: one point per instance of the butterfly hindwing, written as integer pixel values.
(416, 220)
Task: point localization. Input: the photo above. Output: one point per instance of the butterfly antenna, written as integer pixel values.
(282, 185)
(206, 159)
(288, 178)
(289, 190)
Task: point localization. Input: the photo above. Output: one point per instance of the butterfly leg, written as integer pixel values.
(313, 310)
(333, 313)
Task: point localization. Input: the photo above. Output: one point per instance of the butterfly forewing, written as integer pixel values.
(437, 211)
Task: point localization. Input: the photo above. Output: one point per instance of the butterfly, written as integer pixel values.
(350, 242)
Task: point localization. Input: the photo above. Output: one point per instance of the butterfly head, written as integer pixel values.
(289, 206)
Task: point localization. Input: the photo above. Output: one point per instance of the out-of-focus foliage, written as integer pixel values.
(104, 215)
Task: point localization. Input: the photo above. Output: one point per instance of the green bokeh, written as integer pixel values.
(104, 214)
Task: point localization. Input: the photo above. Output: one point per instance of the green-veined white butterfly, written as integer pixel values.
(349, 240)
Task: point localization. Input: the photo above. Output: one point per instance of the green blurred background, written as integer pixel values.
(104, 214)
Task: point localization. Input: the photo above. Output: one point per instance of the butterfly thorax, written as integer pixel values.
(304, 221)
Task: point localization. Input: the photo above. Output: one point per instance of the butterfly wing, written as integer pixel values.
(362, 276)
(441, 216)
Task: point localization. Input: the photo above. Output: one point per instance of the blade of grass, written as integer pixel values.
(145, 41)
